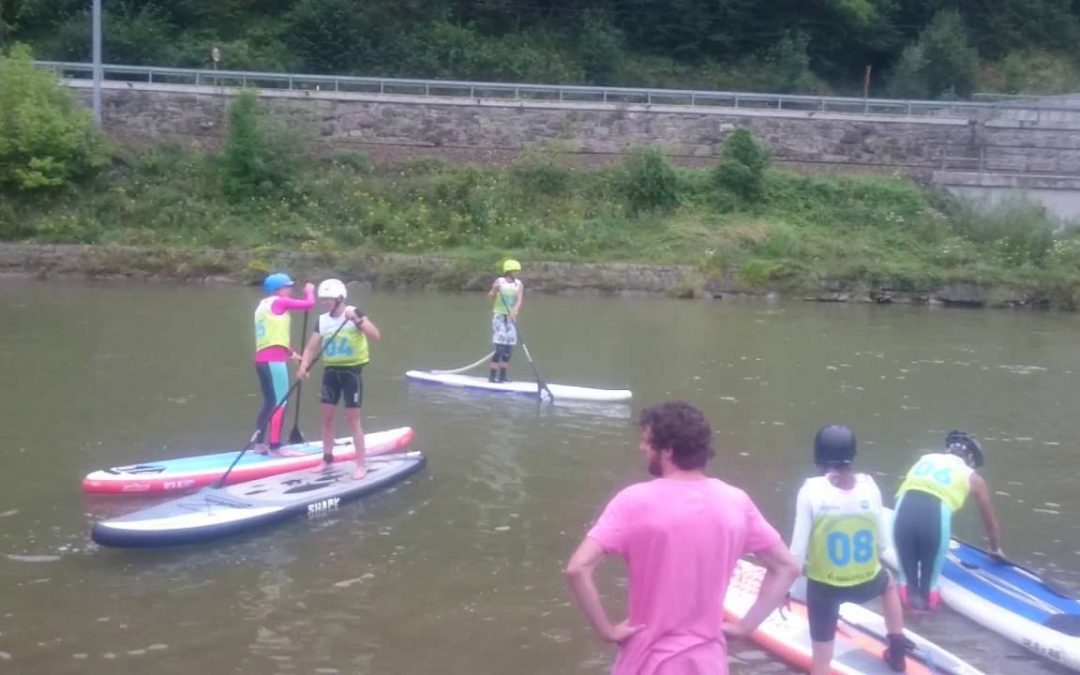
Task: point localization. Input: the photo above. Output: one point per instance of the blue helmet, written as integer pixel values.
(276, 282)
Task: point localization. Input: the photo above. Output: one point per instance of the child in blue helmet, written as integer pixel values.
(840, 534)
(272, 352)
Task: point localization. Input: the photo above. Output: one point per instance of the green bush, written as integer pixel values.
(261, 154)
(46, 139)
(741, 170)
(1037, 72)
(1016, 232)
(649, 182)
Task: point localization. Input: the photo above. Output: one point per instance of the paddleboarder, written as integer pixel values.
(840, 534)
(681, 535)
(343, 333)
(933, 490)
(507, 292)
(272, 352)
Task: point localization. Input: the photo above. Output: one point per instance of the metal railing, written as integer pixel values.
(558, 93)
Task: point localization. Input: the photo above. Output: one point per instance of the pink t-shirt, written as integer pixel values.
(681, 540)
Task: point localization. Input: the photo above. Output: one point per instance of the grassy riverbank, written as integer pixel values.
(788, 232)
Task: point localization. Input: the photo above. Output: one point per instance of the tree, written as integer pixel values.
(330, 36)
(46, 139)
(952, 64)
(257, 158)
(941, 63)
(600, 46)
(908, 77)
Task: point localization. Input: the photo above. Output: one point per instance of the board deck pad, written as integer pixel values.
(188, 473)
(520, 388)
(1013, 601)
(786, 633)
(212, 513)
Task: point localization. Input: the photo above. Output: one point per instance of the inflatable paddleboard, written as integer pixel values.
(860, 636)
(186, 473)
(559, 391)
(1010, 600)
(212, 513)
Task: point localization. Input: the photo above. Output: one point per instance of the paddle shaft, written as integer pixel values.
(540, 384)
(284, 399)
(1052, 585)
(295, 436)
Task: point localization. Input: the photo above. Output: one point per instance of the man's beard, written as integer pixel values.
(655, 467)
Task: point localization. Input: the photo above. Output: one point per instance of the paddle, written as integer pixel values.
(1053, 586)
(220, 483)
(295, 437)
(541, 386)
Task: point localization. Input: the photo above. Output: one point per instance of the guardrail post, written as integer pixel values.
(693, 100)
(382, 86)
(336, 84)
(517, 94)
(290, 83)
(779, 103)
(736, 101)
(648, 98)
(605, 96)
(198, 81)
(427, 89)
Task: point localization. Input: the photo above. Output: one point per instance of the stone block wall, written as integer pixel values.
(486, 130)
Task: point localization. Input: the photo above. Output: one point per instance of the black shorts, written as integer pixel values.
(340, 382)
(823, 603)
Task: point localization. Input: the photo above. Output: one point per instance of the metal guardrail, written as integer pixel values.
(539, 92)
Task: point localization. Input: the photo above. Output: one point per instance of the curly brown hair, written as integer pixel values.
(683, 428)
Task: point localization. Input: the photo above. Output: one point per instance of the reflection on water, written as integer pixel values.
(458, 569)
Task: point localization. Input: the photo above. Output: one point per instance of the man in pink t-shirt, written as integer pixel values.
(681, 535)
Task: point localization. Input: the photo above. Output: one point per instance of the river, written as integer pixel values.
(459, 571)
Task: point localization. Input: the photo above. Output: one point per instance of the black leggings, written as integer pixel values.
(502, 353)
(921, 532)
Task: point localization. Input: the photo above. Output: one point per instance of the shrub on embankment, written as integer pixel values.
(751, 225)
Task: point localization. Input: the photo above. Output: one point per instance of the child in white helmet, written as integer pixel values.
(342, 334)
(508, 293)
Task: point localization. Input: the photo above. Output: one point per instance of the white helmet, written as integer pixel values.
(333, 289)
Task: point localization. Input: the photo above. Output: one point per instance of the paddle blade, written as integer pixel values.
(296, 438)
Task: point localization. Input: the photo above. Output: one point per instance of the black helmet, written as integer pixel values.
(834, 444)
(960, 439)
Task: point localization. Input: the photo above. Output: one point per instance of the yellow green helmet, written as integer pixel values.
(511, 266)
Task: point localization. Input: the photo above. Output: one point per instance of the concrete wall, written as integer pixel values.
(497, 130)
(1059, 194)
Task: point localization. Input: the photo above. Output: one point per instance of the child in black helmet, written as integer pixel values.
(839, 537)
(933, 490)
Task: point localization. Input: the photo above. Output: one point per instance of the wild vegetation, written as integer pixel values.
(741, 219)
(914, 47)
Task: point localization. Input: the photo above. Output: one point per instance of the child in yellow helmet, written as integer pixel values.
(508, 293)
